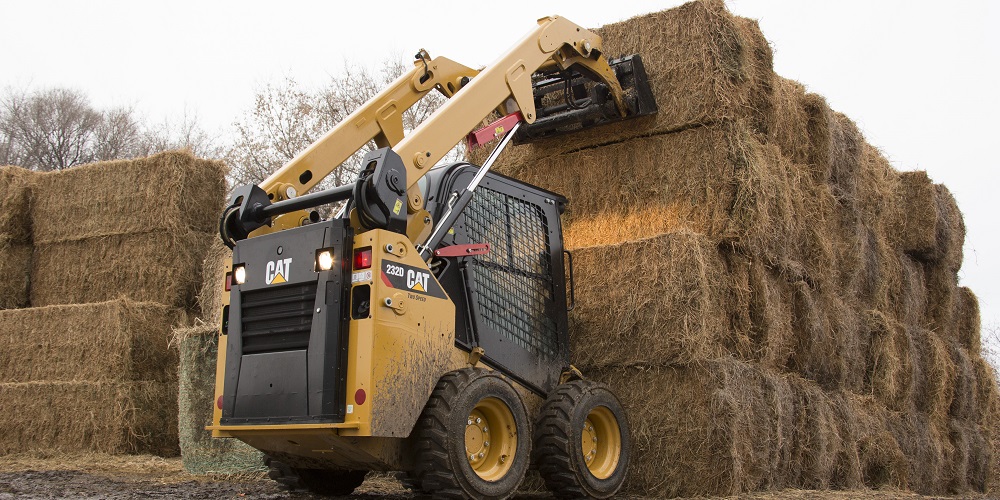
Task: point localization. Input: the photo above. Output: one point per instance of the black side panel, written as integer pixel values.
(288, 328)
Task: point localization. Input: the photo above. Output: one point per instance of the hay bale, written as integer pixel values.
(835, 147)
(890, 362)
(829, 347)
(106, 417)
(968, 324)
(729, 439)
(673, 311)
(915, 227)
(119, 340)
(790, 122)
(643, 187)
(15, 201)
(15, 262)
(939, 311)
(815, 439)
(934, 374)
(987, 397)
(201, 453)
(950, 230)
(170, 192)
(968, 466)
(704, 66)
(926, 449)
(162, 267)
(214, 269)
(964, 405)
(761, 313)
(881, 461)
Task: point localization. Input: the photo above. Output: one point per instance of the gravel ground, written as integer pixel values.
(139, 477)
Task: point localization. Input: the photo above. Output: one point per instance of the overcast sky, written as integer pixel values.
(920, 78)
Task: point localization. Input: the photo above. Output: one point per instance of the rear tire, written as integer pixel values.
(472, 439)
(582, 441)
(318, 481)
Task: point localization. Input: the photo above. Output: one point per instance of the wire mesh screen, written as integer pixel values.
(513, 282)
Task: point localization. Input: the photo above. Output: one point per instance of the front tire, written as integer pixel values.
(472, 439)
(582, 441)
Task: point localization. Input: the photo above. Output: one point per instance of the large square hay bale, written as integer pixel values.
(968, 467)
(214, 269)
(915, 230)
(968, 324)
(927, 448)
(704, 65)
(169, 192)
(118, 340)
(106, 417)
(716, 428)
(890, 370)
(15, 201)
(830, 344)
(656, 300)
(761, 313)
(201, 453)
(934, 374)
(161, 267)
(15, 264)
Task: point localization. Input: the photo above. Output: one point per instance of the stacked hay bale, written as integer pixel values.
(117, 251)
(15, 236)
(199, 346)
(776, 305)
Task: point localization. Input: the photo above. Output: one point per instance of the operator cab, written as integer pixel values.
(510, 301)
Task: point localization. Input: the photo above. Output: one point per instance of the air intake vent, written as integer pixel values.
(278, 318)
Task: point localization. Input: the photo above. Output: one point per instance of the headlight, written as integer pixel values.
(240, 274)
(324, 260)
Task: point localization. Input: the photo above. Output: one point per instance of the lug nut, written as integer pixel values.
(479, 420)
(485, 428)
(480, 454)
(486, 444)
(472, 457)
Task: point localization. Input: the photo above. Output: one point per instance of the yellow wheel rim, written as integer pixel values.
(490, 439)
(602, 442)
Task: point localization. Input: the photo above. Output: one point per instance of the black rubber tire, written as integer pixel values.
(320, 482)
(442, 468)
(558, 453)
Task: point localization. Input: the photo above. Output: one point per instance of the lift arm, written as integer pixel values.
(556, 44)
(379, 120)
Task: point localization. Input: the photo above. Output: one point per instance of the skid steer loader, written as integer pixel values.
(424, 329)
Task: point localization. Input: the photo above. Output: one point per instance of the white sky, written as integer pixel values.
(919, 77)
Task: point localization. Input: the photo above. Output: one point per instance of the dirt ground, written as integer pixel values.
(140, 477)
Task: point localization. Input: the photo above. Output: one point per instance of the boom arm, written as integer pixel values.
(379, 120)
(506, 85)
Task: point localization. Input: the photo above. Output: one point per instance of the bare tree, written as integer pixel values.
(54, 129)
(286, 118)
(991, 345)
(49, 129)
(185, 133)
(119, 135)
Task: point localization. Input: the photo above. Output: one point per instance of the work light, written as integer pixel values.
(240, 274)
(324, 259)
